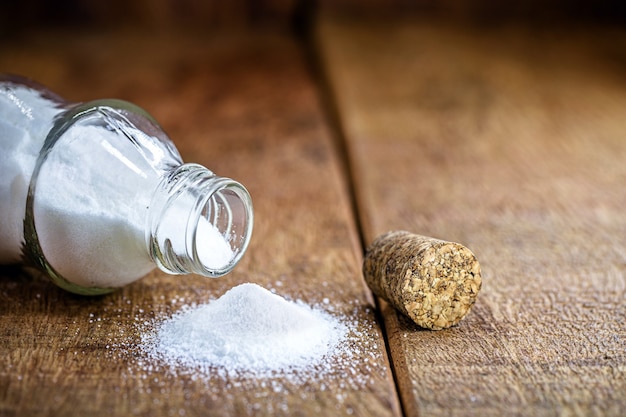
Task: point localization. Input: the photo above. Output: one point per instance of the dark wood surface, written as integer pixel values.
(247, 107)
(507, 138)
(512, 141)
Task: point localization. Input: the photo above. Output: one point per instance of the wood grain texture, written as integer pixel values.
(246, 107)
(509, 140)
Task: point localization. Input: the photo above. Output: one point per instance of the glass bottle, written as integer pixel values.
(96, 195)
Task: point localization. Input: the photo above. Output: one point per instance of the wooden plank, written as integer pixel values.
(509, 140)
(245, 106)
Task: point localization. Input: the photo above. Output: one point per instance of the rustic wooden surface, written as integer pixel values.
(507, 139)
(246, 106)
(510, 140)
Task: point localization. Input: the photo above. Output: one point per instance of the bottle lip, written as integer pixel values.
(206, 186)
(214, 186)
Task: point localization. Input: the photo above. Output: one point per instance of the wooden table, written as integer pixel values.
(507, 139)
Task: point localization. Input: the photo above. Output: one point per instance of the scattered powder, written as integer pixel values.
(122, 332)
(248, 331)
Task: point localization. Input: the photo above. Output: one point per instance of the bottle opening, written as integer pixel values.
(199, 223)
(221, 234)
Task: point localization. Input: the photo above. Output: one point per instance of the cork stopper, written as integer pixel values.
(433, 282)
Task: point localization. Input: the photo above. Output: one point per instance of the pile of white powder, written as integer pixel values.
(247, 331)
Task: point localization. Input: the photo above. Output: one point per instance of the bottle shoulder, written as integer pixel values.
(24, 108)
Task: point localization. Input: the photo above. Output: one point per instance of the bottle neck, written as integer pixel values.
(198, 222)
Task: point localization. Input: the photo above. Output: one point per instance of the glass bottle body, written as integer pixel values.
(108, 197)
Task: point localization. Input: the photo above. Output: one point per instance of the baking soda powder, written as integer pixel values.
(25, 120)
(93, 194)
(248, 331)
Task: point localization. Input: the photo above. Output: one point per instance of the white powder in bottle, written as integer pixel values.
(25, 119)
(249, 330)
(91, 202)
(90, 223)
(96, 219)
(213, 249)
